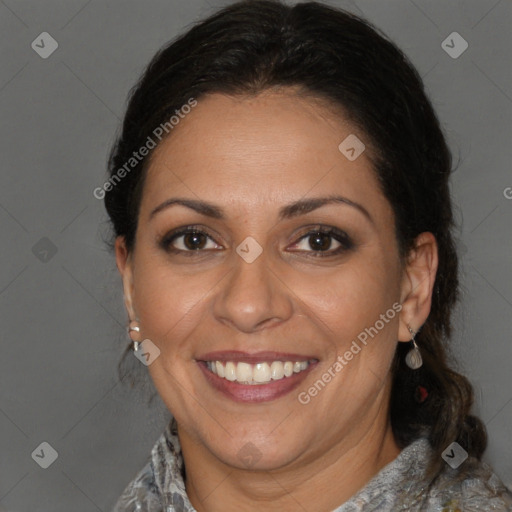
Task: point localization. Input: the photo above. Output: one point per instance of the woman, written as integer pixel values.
(282, 218)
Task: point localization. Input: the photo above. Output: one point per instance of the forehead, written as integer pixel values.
(273, 147)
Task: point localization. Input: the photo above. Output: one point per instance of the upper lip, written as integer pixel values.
(252, 358)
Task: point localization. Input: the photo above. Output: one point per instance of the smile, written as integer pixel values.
(255, 378)
(256, 374)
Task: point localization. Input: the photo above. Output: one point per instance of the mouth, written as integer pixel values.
(260, 377)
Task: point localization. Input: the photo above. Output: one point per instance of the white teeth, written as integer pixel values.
(243, 372)
(277, 370)
(259, 373)
(219, 368)
(288, 368)
(229, 371)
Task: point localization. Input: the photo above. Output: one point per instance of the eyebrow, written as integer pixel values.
(295, 209)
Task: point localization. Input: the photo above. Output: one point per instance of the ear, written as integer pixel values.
(417, 285)
(124, 263)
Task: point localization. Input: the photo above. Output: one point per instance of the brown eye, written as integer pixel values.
(188, 240)
(324, 241)
(194, 241)
(320, 242)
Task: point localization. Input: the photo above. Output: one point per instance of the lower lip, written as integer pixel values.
(257, 392)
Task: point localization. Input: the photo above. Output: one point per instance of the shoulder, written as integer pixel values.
(141, 494)
(403, 485)
(472, 487)
(160, 483)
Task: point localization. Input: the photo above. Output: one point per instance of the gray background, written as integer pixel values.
(62, 317)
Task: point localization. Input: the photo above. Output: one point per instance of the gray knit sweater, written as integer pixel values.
(401, 485)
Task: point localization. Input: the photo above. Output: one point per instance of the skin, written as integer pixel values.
(251, 156)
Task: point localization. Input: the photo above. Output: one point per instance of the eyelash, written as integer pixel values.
(341, 237)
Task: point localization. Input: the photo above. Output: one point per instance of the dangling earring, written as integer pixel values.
(133, 327)
(413, 358)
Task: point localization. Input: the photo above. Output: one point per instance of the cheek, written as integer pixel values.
(353, 310)
(169, 303)
(347, 308)
(350, 298)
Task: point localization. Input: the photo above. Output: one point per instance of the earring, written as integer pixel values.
(133, 327)
(413, 358)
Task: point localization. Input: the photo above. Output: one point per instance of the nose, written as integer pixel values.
(253, 297)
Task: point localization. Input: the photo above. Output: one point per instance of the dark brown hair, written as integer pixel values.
(251, 46)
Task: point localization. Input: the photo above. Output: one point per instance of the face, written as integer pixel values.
(260, 268)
